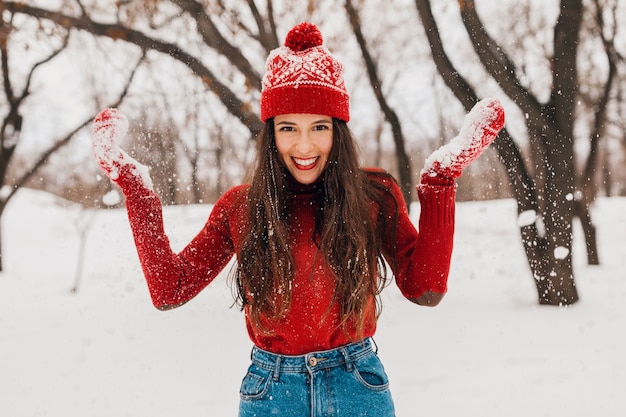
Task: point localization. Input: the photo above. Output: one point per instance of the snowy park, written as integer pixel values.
(487, 350)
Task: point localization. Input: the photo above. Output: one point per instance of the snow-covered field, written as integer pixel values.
(487, 350)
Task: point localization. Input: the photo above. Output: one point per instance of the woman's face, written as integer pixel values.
(304, 142)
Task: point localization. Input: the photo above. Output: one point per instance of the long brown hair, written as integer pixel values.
(349, 230)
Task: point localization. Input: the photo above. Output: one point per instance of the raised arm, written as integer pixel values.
(424, 257)
(173, 279)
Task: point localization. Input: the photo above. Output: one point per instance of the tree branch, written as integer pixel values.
(213, 38)
(243, 111)
(43, 158)
(495, 60)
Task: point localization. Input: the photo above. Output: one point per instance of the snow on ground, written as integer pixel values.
(487, 350)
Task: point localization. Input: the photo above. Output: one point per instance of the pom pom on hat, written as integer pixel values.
(303, 77)
(303, 36)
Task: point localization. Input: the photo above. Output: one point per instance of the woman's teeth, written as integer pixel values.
(304, 162)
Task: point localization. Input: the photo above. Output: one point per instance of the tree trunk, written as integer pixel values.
(589, 231)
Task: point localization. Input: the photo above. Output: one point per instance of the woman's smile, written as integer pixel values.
(305, 164)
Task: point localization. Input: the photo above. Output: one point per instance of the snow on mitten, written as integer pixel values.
(480, 128)
(109, 128)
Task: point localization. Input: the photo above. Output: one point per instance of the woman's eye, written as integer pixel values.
(321, 127)
(286, 129)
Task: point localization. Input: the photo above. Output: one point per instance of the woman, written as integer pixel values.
(312, 233)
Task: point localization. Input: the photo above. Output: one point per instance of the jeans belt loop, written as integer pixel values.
(346, 357)
(276, 372)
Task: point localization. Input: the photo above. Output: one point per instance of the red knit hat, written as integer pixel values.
(303, 77)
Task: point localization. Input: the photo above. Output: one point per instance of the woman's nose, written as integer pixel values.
(304, 143)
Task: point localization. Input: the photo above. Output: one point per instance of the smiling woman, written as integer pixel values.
(313, 234)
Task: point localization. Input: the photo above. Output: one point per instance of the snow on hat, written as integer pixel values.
(303, 77)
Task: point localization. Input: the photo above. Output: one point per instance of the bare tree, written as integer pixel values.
(405, 171)
(11, 129)
(599, 104)
(82, 222)
(10, 132)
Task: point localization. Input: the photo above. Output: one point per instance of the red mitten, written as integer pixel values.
(109, 127)
(480, 128)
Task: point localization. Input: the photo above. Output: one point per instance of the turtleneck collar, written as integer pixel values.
(294, 187)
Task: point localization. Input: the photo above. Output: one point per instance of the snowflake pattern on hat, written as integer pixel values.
(314, 66)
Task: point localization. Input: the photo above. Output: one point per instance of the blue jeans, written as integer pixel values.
(347, 381)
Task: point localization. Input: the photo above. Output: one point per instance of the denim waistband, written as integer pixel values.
(342, 355)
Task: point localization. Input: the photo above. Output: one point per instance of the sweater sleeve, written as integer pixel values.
(175, 278)
(420, 259)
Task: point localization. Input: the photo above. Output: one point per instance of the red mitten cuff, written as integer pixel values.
(431, 177)
(437, 205)
(134, 180)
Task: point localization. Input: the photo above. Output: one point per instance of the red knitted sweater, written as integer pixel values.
(421, 261)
